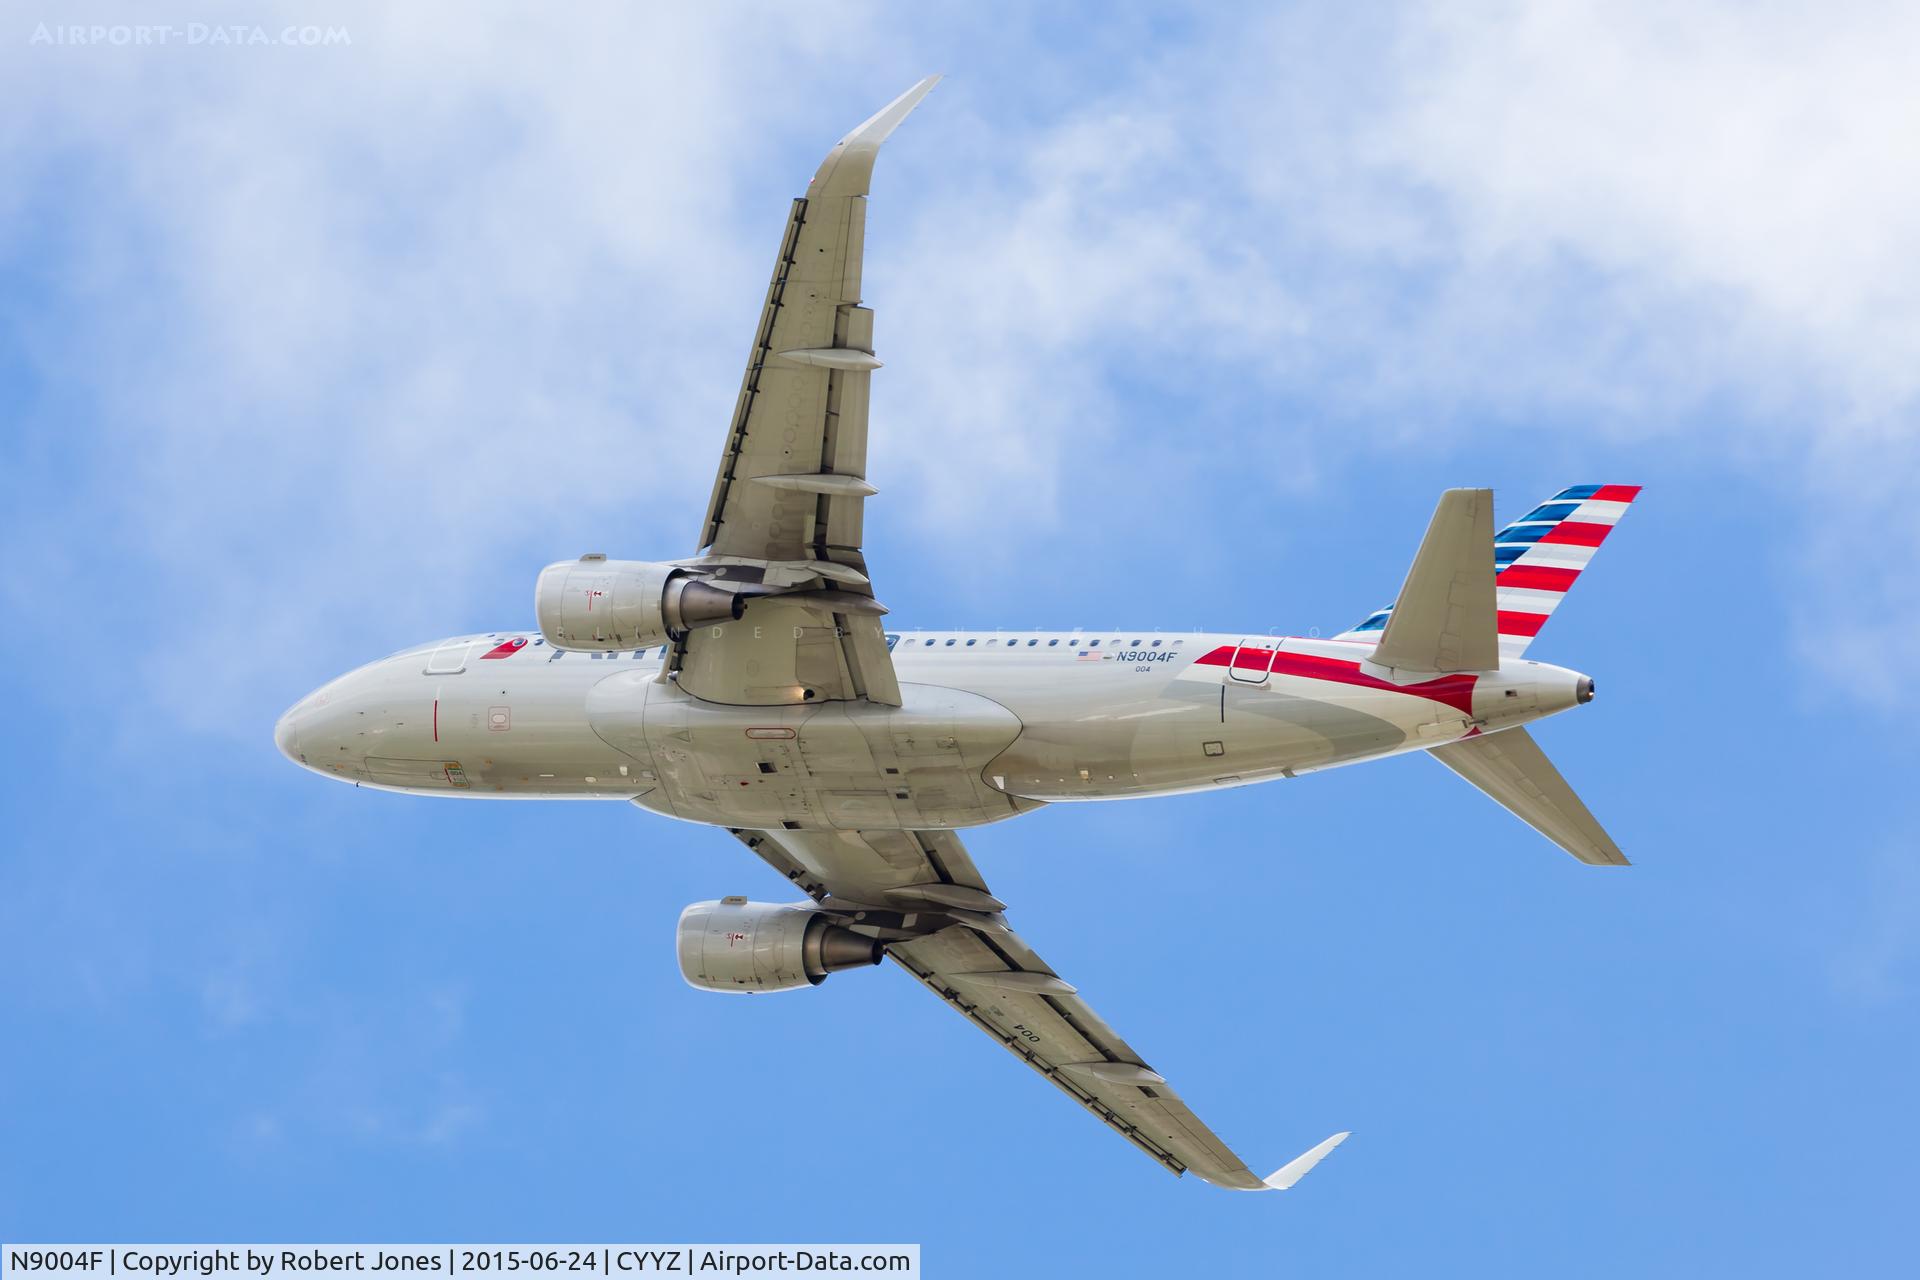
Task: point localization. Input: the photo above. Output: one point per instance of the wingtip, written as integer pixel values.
(1297, 1168)
(849, 166)
(880, 125)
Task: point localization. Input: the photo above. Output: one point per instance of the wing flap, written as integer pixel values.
(1059, 1036)
(869, 867)
(802, 407)
(791, 488)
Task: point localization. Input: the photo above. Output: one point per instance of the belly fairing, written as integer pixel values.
(835, 765)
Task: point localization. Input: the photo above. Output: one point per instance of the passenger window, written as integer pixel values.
(1094, 645)
(969, 644)
(1154, 645)
(1032, 643)
(1052, 643)
(949, 644)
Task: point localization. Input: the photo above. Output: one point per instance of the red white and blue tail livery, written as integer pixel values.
(1537, 559)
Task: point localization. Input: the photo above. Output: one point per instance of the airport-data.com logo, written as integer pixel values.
(220, 35)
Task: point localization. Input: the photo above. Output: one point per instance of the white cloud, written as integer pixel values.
(360, 326)
(1740, 183)
(348, 322)
(1757, 158)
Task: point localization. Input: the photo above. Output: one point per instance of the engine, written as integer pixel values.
(740, 946)
(597, 603)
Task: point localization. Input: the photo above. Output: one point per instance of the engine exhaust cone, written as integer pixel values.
(832, 948)
(700, 603)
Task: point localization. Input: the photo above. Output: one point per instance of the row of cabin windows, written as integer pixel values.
(1015, 644)
(893, 640)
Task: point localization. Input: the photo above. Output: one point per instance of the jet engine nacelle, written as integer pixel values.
(740, 946)
(597, 603)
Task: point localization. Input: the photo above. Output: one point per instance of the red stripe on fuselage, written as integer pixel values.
(1454, 691)
(1577, 533)
(1536, 577)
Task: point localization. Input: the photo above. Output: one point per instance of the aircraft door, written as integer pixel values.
(1253, 659)
(450, 659)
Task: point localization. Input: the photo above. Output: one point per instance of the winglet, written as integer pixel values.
(848, 168)
(1297, 1168)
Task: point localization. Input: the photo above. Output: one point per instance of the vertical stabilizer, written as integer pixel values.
(1536, 559)
(1544, 551)
(1444, 617)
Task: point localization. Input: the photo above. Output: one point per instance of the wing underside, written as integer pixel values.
(943, 927)
(785, 523)
(997, 983)
(787, 510)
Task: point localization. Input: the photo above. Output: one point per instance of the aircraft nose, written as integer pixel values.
(287, 738)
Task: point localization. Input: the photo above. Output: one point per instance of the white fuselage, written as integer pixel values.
(992, 724)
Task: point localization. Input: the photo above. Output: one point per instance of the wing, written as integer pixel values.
(921, 891)
(787, 504)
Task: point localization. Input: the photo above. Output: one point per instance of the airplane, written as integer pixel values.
(753, 687)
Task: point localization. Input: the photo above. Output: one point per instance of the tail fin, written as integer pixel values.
(1536, 559)
(1540, 554)
(1510, 767)
(1443, 618)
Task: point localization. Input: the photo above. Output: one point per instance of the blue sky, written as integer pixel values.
(313, 353)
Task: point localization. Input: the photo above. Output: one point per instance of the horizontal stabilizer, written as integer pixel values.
(1443, 619)
(1510, 767)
